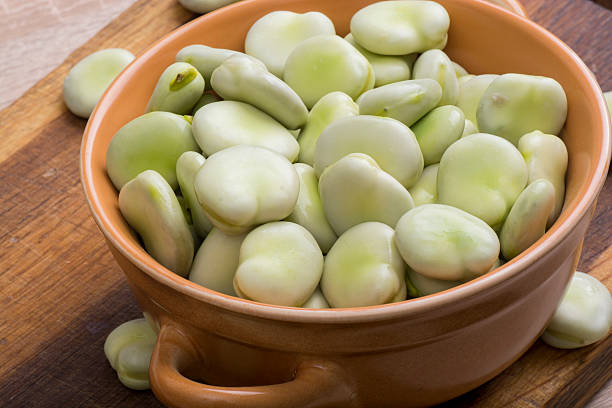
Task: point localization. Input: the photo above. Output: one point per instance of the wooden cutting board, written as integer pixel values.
(61, 291)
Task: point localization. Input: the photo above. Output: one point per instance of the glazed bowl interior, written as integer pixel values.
(483, 38)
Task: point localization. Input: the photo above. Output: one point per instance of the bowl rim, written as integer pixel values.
(389, 311)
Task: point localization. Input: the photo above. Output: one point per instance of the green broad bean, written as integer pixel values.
(482, 174)
(400, 27)
(471, 92)
(425, 190)
(364, 268)
(424, 285)
(435, 64)
(546, 157)
(459, 70)
(516, 104)
(133, 365)
(526, 222)
(316, 301)
(238, 78)
(394, 148)
(187, 166)
(442, 44)
(206, 59)
(272, 38)
(463, 79)
(178, 89)
(444, 242)
(153, 141)
(223, 124)
(184, 208)
(206, 99)
(216, 262)
(376, 197)
(197, 240)
(308, 211)
(149, 206)
(437, 130)
(204, 6)
(128, 349)
(88, 79)
(243, 186)
(584, 315)
(406, 101)
(280, 264)
(328, 109)
(608, 98)
(324, 64)
(469, 128)
(387, 68)
(402, 294)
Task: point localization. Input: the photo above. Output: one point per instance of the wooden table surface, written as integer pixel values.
(61, 291)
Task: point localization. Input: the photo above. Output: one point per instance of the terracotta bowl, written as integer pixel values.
(218, 351)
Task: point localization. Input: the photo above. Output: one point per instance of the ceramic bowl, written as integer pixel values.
(218, 351)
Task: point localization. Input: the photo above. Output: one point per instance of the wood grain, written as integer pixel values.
(61, 292)
(37, 35)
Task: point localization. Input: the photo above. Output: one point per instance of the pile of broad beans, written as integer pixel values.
(320, 171)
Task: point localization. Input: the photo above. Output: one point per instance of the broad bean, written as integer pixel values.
(223, 124)
(243, 186)
(584, 315)
(406, 101)
(546, 157)
(324, 64)
(206, 59)
(394, 148)
(469, 128)
(328, 109)
(364, 268)
(89, 78)
(444, 242)
(216, 262)
(272, 38)
(437, 130)
(316, 301)
(308, 211)
(280, 264)
(204, 6)
(206, 99)
(424, 285)
(178, 89)
(425, 190)
(187, 166)
(128, 349)
(376, 197)
(153, 141)
(400, 27)
(515, 104)
(470, 94)
(240, 79)
(459, 70)
(387, 68)
(149, 206)
(482, 174)
(526, 221)
(435, 64)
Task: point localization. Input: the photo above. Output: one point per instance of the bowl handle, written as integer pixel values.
(316, 384)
